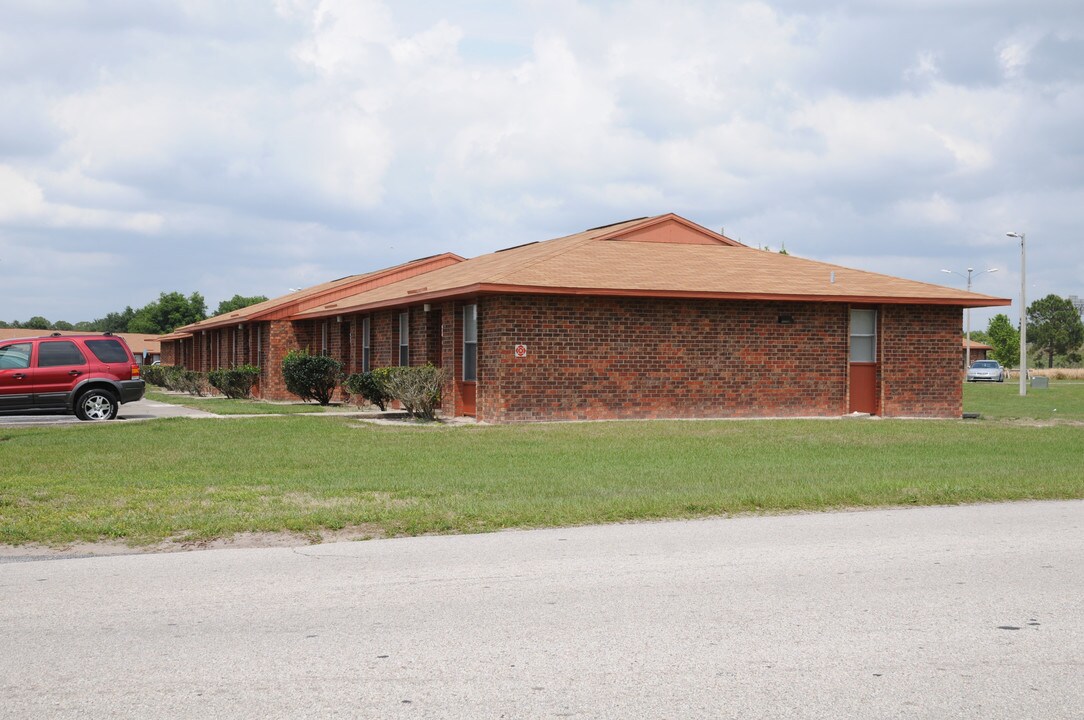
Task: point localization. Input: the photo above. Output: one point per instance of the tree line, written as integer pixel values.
(170, 311)
(1055, 334)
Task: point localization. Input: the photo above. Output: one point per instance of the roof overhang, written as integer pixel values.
(501, 289)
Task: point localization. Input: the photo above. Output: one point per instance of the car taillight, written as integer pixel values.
(135, 372)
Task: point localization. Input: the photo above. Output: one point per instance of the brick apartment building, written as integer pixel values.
(654, 317)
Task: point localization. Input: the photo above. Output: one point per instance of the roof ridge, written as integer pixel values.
(571, 245)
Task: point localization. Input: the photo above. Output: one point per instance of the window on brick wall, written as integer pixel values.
(323, 338)
(863, 336)
(470, 343)
(404, 338)
(366, 356)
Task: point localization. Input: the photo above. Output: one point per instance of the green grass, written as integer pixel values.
(200, 479)
(226, 406)
(1063, 400)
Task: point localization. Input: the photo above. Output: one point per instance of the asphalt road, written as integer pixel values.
(961, 612)
(140, 410)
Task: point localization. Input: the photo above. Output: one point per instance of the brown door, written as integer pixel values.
(468, 386)
(467, 391)
(863, 362)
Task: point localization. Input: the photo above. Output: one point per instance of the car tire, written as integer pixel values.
(96, 405)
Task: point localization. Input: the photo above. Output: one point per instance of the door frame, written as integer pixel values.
(863, 376)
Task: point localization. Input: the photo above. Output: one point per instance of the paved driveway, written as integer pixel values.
(962, 612)
(140, 410)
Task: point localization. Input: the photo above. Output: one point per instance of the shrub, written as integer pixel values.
(311, 377)
(418, 388)
(235, 382)
(154, 374)
(370, 386)
(191, 382)
(176, 378)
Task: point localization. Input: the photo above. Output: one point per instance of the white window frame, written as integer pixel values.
(404, 338)
(872, 335)
(472, 309)
(366, 350)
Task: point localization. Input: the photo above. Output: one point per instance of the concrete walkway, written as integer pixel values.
(949, 612)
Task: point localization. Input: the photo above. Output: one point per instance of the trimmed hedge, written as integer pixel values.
(176, 378)
(311, 377)
(369, 386)
(235, 382)
(417, 388)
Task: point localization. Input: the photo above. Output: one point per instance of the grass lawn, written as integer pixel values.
(200, 479)
(1063, 400)
(226, 406)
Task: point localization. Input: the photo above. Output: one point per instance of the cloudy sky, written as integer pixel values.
(254, 146)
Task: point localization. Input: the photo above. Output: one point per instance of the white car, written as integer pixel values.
(988, 370)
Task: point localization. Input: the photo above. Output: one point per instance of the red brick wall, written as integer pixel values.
(596, 358)
(920, 361)
(169, 352)
(282, 337)
(601, 358)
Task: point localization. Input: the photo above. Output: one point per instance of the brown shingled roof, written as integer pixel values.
(288, 305)
(664, 256)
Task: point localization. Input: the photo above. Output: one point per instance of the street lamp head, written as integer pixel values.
(1015, 235)
(948, 271)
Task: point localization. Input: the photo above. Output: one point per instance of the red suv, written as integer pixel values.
(89, 375)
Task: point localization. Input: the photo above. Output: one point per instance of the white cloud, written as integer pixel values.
(306, 139)
(22, 202)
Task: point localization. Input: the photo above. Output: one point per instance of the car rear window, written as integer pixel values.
(108, 351)
(59, 352)
(986, 364)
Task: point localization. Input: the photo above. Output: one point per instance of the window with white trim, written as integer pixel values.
(366, 355)
(404, 338)
(470, 343)
(863, 336)
(323, 338)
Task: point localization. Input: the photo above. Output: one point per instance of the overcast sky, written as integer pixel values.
(254, 146)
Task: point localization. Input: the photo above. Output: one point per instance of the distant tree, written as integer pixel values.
(1005, 340)
(63, 325)
(980, 336)
(3, 324)
(86, 326)
(37, 323)
(114, 322)
(169, 312)
(1054, 326)
(237, 302)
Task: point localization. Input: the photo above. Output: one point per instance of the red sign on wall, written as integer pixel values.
(521, 351)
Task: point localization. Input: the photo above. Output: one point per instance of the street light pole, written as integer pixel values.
(1023, 315)
(967, 312)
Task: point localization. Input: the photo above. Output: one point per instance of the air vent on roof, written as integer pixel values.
(517, 246)
(602, 227)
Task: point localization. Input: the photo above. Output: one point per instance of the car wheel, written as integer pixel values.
(96, 405)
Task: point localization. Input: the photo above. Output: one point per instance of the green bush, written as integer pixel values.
(176, 378)
(191, 382)
(417, 388)
(235, 382)
(311, 377)
(370, 386)
(154, 374)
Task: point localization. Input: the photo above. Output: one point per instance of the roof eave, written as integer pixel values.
(496, 288)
